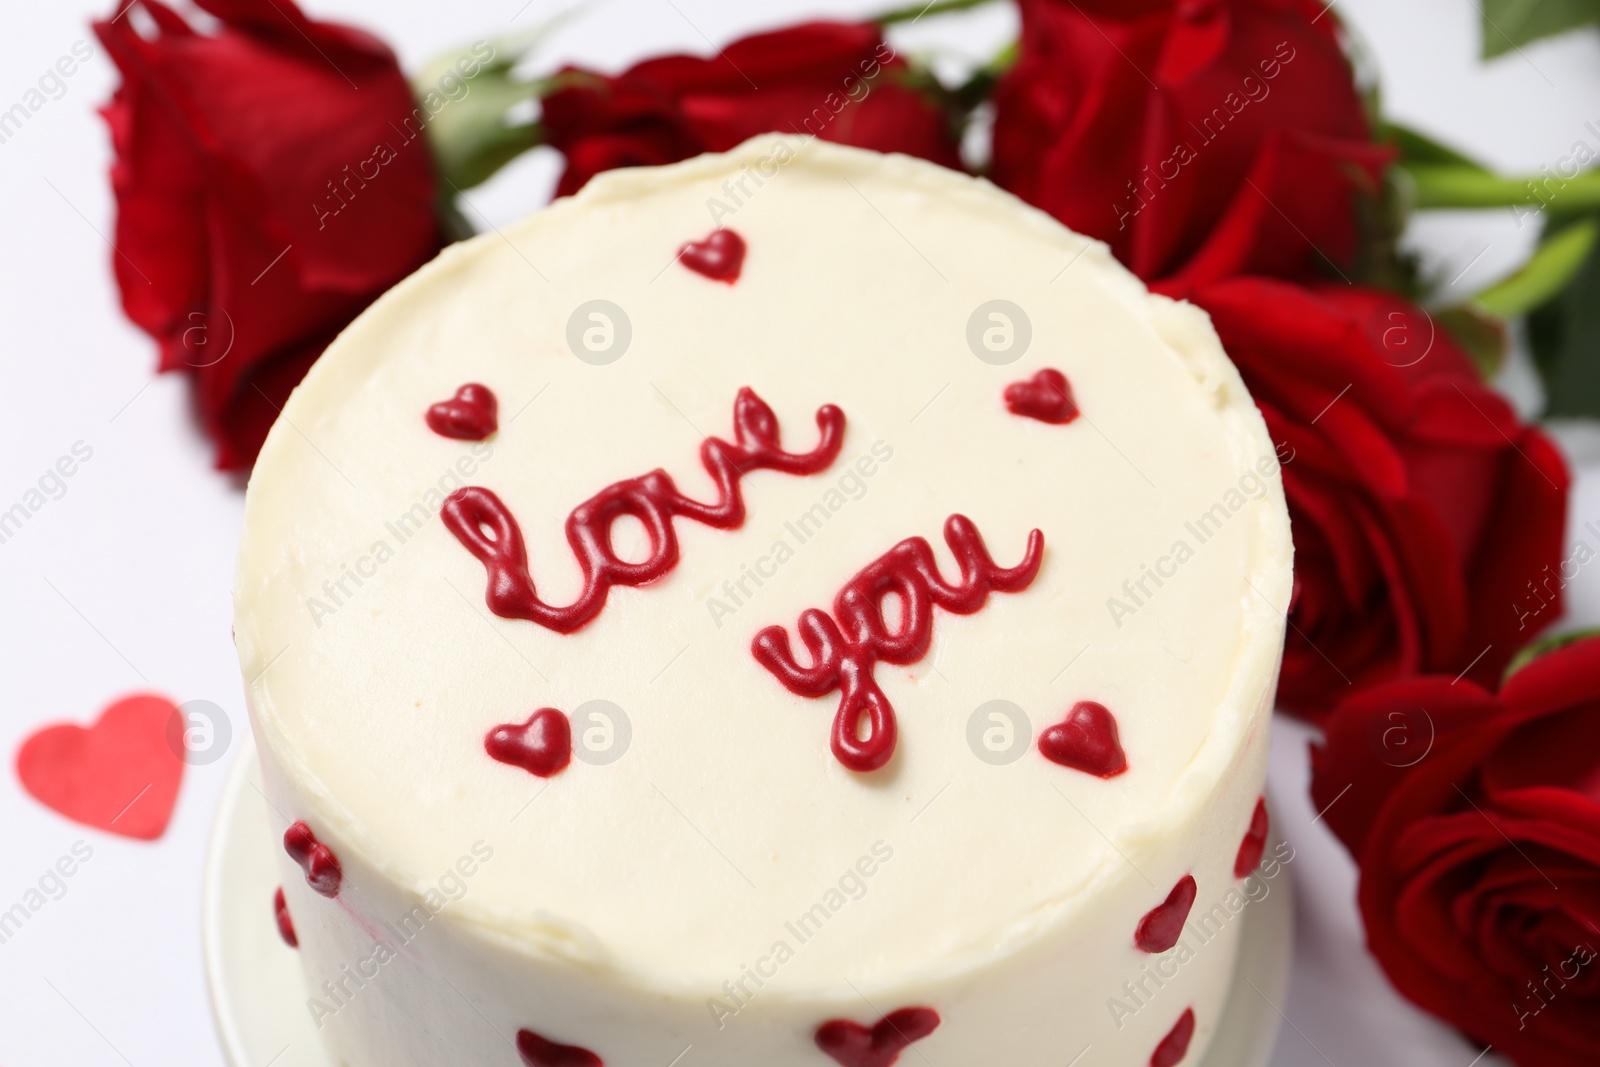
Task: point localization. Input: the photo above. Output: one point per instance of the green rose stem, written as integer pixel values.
(913, 12)
(474, 126)
(1447, 185)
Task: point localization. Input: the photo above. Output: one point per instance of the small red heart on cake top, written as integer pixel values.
(1086, 741)
(323, 872)
(1046, 397)
(541, 746)
(854, 1045)
(280, 911)
(120, 775)
(1160, 929)
(1175, 1046)
(1254, 843)
(471, 415)
(539, 1051)
(719, 257)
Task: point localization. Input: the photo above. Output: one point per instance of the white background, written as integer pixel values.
(123, 584)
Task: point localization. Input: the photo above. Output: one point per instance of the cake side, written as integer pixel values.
(729, 817)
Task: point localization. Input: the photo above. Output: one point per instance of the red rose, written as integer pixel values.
(1476, 824)
(835, 80)
(1199, 138)
(271, 181)
(1422, 508)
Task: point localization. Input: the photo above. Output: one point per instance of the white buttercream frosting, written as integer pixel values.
(627, 894)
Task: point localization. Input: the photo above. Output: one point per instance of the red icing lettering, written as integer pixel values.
(845, 647)
(280, 911)
(1254, 843)
(1086, 741)
(318, 861)
(719, 257)
(541, 746)
(1046, 397)
(471, 415)
(853, 1045)
(1161, 928)
(537, 1051)
(1175, 1045)
(482, 523)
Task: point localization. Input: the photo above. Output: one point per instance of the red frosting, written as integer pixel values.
(1046, 397)
(1175, 1045)
(470, 415)
(845, 647)
(537, 1051)
(541, 746)
(652, 499)
(280, 910)
(1086, 741)
(1254, 843)
(1160, 929)
(318, 861)
(719, 257)
(854, 1045)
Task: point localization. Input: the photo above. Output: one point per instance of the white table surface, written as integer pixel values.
(123, 584)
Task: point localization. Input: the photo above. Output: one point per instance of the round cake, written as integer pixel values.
(794, 607)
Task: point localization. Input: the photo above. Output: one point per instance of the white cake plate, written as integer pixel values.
(258, 991)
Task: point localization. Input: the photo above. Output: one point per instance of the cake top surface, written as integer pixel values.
(852, 349)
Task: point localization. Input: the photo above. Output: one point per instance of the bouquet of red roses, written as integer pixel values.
(275, 174)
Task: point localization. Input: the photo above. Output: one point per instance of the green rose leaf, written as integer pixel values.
(1565, 332)
(1535, 649)
(1510, 24)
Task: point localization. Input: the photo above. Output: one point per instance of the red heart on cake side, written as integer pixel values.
(541, 746)
(1160, 929)
(1046, 397)
(323, 872)
(854, 1045)
(537, 1051)
(120, 775)
(1254, 843)
(1175, 1046)
(471, 415)
(280, 911)
(1086, 740)
(719, 257)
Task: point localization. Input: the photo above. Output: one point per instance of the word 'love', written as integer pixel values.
(482, 523)
(846, 647)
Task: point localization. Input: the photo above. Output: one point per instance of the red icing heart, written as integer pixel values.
(471, 415)
(542, 745)
(1086, 741)
(280, 910)
(1046, 397)
(539, 1051)
(719, 257)
(1161, 928)
(1175, 1045)
(323, 872)
(853, 1045)
(1254, 843)
(120, 775)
